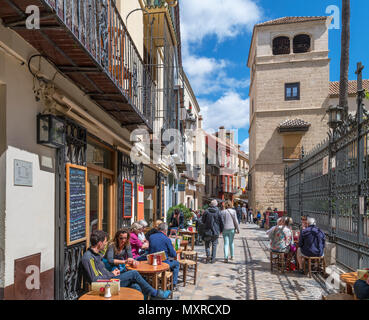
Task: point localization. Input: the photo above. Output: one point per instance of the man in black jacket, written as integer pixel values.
(213, 228)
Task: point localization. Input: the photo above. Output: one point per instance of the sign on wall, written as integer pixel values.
(23, 173)
(76, 204)
(162, 202)
(127, 199)
(140, 202)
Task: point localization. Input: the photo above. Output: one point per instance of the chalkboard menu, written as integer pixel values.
(127, 199)
(76, 204)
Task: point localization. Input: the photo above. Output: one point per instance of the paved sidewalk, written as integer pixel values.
(248, 276)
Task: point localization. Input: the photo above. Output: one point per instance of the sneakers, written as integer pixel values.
(207, 260)
(163, 294)
(231, 258)
(226, 260)
(212, 261)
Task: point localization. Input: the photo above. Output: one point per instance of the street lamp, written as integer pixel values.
(335, 116)
(50, 130)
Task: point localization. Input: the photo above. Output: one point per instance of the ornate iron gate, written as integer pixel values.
(331, 184)
(68, 276)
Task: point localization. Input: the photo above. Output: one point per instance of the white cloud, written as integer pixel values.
(230, 111)
(245, 146)
(222, 18)
(208, 75)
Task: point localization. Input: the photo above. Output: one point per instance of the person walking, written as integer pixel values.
(230, 227)
(213, 227)
(239, 213)
(251, 216)
(244, 214)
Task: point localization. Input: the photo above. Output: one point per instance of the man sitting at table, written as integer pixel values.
(94, 269)
(160, 242)
(311, 243)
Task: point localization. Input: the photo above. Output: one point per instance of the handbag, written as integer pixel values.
(233, 219)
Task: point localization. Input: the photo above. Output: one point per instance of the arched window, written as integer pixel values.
(301, 43)
(281, 45)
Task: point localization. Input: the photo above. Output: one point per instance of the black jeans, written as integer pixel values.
(214, 243)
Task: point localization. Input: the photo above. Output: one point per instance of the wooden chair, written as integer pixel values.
(278, 260)
(189, 262)
(318, 262)
(168, 282)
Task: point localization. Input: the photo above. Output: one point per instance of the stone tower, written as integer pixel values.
(289, 96)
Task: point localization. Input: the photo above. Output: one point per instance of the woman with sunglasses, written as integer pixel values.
(119, 252)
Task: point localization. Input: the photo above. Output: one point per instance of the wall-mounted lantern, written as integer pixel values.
(50, 130)
(335, 116)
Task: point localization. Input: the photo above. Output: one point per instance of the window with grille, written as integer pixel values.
(281, 45)
(301, 43)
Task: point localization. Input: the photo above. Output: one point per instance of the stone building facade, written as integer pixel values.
(289, 66)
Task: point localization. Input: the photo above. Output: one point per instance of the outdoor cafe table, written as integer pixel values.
(124, 294)
(189, 233)
(145, 268)
(349, 279)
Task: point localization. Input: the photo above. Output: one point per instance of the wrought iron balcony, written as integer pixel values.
(88, 42)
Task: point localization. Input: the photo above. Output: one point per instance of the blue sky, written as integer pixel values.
(216, 39)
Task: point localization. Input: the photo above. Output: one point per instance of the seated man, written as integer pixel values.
(311, 243)
(94, 269)
(361, 288)
(160, 242)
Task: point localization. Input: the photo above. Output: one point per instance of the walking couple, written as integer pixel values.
(216, 223)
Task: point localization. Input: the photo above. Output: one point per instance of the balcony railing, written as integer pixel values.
(88, 42)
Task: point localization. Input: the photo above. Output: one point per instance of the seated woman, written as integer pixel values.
(136, 243)
(176, 221)
(281, 237)
(119, 252)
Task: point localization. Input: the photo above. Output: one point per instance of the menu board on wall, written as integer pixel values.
(127, 199)
(76, 204)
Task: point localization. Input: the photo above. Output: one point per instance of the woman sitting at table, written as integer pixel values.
(119, 252)
(281, 237)
(136, 243)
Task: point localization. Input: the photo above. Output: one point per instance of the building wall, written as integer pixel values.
(27, 212)
(134, 22)
(270, 108)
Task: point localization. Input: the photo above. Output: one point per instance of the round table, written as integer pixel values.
(145, 268)
(189, 233)
(124, 294)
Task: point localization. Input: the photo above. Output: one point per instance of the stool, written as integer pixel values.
(190, 255)
(319, 261)
(278, 259)
(186, 263)
(338, 296)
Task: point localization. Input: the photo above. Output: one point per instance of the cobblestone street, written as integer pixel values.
(248, 276)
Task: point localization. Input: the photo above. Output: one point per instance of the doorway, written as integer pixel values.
(100, 209)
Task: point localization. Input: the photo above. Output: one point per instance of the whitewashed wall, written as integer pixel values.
(28, 211)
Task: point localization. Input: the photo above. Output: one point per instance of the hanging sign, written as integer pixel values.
(127, 199)
(76, 204)
(182, 185)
